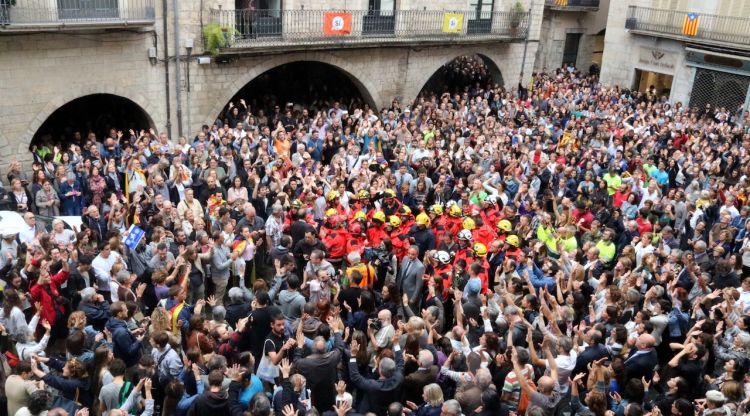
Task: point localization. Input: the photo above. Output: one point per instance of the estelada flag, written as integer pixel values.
(453, 22)
(690, 24)
(561, 2)
(337, 23)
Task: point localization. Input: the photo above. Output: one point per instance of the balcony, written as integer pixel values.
(572, 5)
(56, 15)
(724, 31)
(250, 31)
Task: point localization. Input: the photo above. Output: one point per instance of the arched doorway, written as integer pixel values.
(95, 113)
(463, 72)
(304, 84)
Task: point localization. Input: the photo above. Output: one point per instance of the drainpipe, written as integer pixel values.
(526, 42)
(178, 62)
(166, 67)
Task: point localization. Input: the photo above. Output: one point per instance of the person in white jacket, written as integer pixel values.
(30, 347)
(13, 318)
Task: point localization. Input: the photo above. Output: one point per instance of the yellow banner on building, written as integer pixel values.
(563, 3)
(453, 22)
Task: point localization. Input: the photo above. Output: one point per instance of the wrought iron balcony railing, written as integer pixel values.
(21, 15)
(265, 28)
(709, 28)
(573, 5)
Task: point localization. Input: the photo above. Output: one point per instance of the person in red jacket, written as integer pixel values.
(332, 202)
(490, 213)
(479, 252)
(454, 220)
(358, 217)
(464, 247)
(336, 239)
(443, 268)
(46, 291)
(399, 237)
(376, 231)
(439, 221)
(357, 239)
(406, 216)
(483, 232)
(362, 203)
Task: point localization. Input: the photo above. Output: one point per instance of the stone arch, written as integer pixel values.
(415, 86)
(368, 90)
(59, 101)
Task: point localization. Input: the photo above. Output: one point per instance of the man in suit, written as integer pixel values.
(377, 393)
(409, 281)
(320, 368)
(641, 362)
(595, 351)
(426, 373)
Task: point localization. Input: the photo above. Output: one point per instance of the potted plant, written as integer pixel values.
(516, 14)
(217, 37)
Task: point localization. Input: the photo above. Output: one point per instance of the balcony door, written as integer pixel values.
(380, 18)
(87, 9)
(570, 51)
(480, 16)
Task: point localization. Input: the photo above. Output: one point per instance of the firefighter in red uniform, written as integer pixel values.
(454, 219)
(443, 268)
(464, 247)
(336, 239)
(512, 250)
(376, 231)
(399, 237)
(390, 204)
(439, 221)
(291, 214)
(359, 217)
(479, 251)
(406, 216)
(363, 201)
(504, 227)
(490, 213)
(484, 233)
(332, 202)
(357, 239)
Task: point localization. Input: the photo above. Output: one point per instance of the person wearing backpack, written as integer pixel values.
(168, 362)
(109, 394)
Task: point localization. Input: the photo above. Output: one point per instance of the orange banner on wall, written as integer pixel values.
(337, 24)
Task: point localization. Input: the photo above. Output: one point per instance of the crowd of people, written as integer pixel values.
(559, 248)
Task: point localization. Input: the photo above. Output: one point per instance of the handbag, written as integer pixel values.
(71, 406)
(267, 371)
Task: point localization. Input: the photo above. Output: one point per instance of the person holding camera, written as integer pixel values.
(380, 330)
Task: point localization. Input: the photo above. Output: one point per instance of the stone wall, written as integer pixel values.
(41, 72)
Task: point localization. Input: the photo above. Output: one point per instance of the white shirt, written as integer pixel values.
(102, 268)
(27, 234)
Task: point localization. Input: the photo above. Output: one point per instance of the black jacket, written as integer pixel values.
(378, 394)
(641, 366)
(321, 375)
(97, 314)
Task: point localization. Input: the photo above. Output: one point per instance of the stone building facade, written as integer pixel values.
(45, 65)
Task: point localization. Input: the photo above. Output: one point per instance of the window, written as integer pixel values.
(88, 9)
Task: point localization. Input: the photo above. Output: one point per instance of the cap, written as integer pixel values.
(715, 396)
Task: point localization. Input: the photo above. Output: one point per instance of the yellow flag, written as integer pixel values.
(561, 2)
(453, 22)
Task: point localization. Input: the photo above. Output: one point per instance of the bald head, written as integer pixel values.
(384, 315)
(645, 341)
(546, 384)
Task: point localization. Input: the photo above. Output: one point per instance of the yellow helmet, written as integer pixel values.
(363, 194)
(513, 240)
(454, 211)
(331, 212)
(394, 221)
(379, 215)
(479, 249)
(423, 219)
(436, 209)
(360, 216)
(390, 193)
(332, 195)
(469, 224)
(404, 210)
(504, 226)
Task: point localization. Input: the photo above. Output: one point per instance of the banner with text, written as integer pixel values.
(453, 22)
(337, 24)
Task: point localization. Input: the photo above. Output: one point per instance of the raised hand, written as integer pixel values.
(340, 387)
(285, 367)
